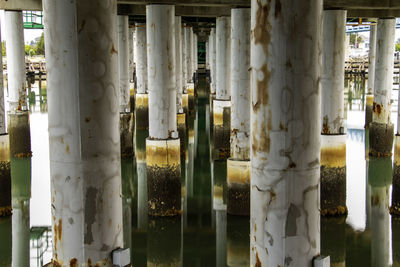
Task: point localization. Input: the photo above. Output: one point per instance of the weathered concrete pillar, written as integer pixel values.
(238, 166)
(131, 62)
(222, 104)
(185, 97)
(371, 75)
(333, 136)
(188, 53)
(5, 170)
(85, 164)
(15, 60)
(195, 57)
(379, 178)
(285, 132)
(123, 62)
(212, 60)
(142, 98)
(381, 129)
(163, 145)
(208, 54)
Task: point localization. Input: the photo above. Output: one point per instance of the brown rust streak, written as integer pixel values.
(325, 126)
(258, 262)
(73, 262)
(377, 108)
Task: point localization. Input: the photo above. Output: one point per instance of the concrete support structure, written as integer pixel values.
(212, 60)
(163, 145)
(333, 136)
(222, 104)
(142, 98)
(238, 166)
(188, 53)
(15, 60)
(140, 153)
(371, 75)
(85, 164)
(123, 62)
(381, 129)
(20, 232)
(131, 57)
(285, 132)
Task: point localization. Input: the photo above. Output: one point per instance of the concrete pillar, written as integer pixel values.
(333, 136)
(142, 98)
(238, 166)
(163, 145)
(285, 132)
(212, 60)
(15, 60)
(371, 75)
(381, 129)
(178, 63)
(208, 54)
(188, 53)
(222, 104)
(140, 150)
(379, 178)
(195, 57)
(83, 106)
(123, 62)
(131, 68)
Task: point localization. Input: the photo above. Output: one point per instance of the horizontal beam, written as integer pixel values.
(362, 4)
(232, 3)
(187, 11)
(33, 5)
(373, 13)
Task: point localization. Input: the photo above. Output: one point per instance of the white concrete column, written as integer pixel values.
(371, 58)
(333, 137)
(332, 82)
(141, 57)
(161, 71)
(141, 97)
(192, 56)
(195, 56)
(223, 60)
(123, 62)
(213, 61)
(2, 109)
(162, 146)
(208, 54)
(83, 107)
(371, 76)
(15, 60)
(178, 62)
(285, 132)
(381, 129)
(184, 56)
(131, 57)
(188, 54)
(238, 166)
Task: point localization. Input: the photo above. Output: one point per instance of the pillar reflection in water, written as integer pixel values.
(164, 241)
(396, 241)
(379, 178)
(127, 167)
(333, 240)
(6, 241)
(140, 149)
(220, 237)
(238, 241)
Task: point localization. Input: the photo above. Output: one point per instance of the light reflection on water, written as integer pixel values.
(196, 237)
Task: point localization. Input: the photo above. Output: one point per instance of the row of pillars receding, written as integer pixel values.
(270, 67)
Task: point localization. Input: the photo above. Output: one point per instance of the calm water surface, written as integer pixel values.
(207, 237)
